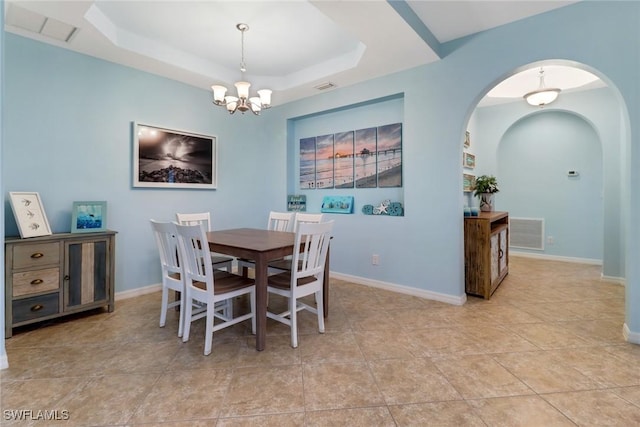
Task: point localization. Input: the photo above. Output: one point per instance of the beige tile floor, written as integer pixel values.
(546, 350)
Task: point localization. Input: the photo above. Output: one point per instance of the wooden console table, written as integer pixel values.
(486, 252)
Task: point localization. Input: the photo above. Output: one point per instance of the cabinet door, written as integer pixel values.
(503, 250)
(86, 273)
(495, 257)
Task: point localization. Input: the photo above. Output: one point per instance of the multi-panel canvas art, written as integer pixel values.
(389, 155)
(324, 161)
(365, 162)
(308, 163)
(364, 158)
(343, 160)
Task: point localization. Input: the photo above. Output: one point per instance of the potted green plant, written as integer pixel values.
(484, 188)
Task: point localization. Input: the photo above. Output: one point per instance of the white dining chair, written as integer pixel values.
(281, 221)
(277, 221)
(306, 218)
(206, 287)
(304, 280)
(220, 262)
(165, 234)
(284, 264)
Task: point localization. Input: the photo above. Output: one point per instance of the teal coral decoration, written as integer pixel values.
(337, 204)
(385, 208)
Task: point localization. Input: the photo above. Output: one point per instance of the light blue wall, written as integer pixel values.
(3, 351)
(67, 136)
(439, 100)
(598, 109)
(534, 158)
(359, 248)
(408, 256)
(374, 114)
(472, 127)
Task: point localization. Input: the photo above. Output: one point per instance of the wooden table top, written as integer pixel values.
(252, 238)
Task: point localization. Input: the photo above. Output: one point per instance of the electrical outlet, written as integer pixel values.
(550, 240)
(375, 259)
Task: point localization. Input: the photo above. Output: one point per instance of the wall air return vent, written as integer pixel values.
(526, 233)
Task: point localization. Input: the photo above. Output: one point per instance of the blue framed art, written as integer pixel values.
(337, 204)
(89, 217)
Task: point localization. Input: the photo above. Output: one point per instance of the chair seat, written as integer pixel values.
(281, 264)
(218, 259)
(226, 282)
(283, 280)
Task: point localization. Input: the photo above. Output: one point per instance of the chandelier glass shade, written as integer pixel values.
(543, 95)
(242, 102)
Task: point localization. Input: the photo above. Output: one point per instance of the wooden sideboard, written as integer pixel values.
(486, 252)
(57, 275)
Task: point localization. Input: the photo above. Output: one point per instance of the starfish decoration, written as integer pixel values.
(382, 209)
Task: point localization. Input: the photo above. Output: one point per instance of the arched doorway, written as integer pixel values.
(596, 114)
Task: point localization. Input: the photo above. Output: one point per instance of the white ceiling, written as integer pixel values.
(291, 47)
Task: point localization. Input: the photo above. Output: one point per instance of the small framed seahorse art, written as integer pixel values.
(29, 214)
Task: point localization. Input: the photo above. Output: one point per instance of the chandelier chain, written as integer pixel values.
(243, 66)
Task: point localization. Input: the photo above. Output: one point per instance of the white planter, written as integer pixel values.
(486, 202)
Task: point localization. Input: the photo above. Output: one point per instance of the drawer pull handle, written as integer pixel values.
(37, 282)
(500, 253)
(37, 307)
(37, 255)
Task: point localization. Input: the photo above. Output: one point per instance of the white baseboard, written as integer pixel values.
(436, 296)
(632, 337)
(138, 292)
(4, 361)
(548, 257)
(446, 298)
(613, 279)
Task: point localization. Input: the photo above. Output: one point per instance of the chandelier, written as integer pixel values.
(242, 102)
(543, 95)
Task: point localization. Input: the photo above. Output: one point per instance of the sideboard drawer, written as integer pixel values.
(35, 307)
(34, 255)
(36, 281)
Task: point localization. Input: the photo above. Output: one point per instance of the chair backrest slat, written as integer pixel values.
(281, 221)
(194, 248)
(306, 218)
(195, 218)
(314, 239)
(167, 241)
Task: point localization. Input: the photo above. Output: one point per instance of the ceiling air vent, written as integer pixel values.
(325, 86)
(36, 23)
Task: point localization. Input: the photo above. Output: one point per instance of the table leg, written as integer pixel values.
(325, 285)
(261, 302)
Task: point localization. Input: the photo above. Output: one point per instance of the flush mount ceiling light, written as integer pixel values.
(242, 102)
(543, 95)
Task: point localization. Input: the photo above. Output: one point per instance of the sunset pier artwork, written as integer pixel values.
(364, 158)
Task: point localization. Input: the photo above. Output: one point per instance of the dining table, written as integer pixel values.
(262, 246)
